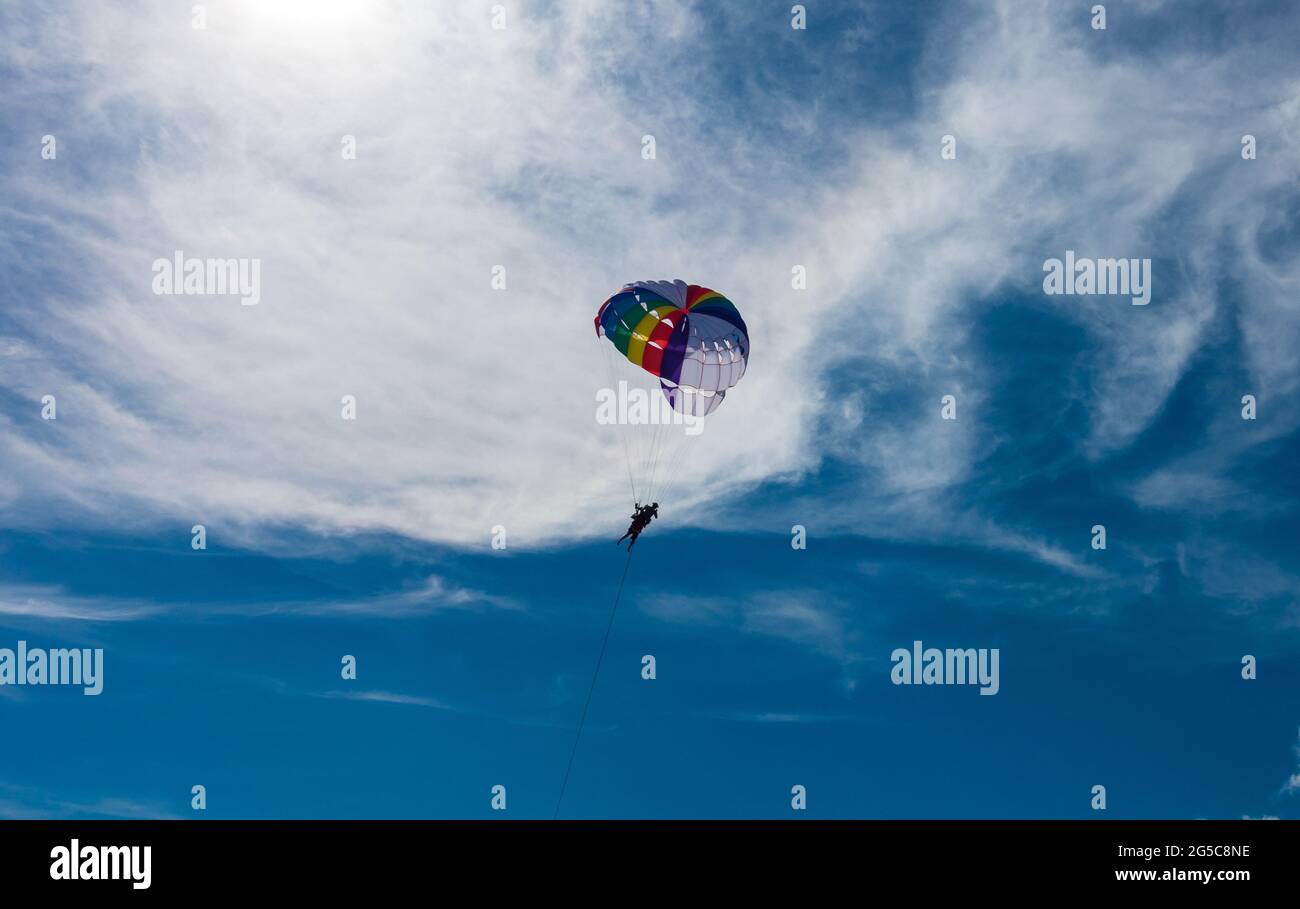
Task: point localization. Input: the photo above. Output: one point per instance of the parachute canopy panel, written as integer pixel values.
(690, 337)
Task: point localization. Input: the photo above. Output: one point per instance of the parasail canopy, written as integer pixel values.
(690, 337)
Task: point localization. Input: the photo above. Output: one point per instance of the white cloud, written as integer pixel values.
(387, 697)
(781, 718)
(478, 147)
(28, 803)
(432, 595)
(1292, 785)
(54, 603)
(804, 617)
(1175, 488)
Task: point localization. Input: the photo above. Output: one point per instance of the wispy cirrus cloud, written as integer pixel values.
(386, 697)
(434, 594)
(808, 618)
(778, 718)
(29, 803)
(530, 158)
(55, 603)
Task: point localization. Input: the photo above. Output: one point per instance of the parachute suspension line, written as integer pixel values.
(675, 439)
(627, 458)
(656, 449)
(653, 435)
(670, 442)
(667, 472)
(646, 436)
(620, 430)
(663, 442)
(592, 687)
(674, 461)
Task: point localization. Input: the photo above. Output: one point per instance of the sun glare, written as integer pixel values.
(309, 21)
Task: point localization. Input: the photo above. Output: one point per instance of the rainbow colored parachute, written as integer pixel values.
(691, 338)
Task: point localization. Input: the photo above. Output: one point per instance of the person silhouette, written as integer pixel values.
(643, 515)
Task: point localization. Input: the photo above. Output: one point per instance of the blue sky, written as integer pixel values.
(522, 148)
